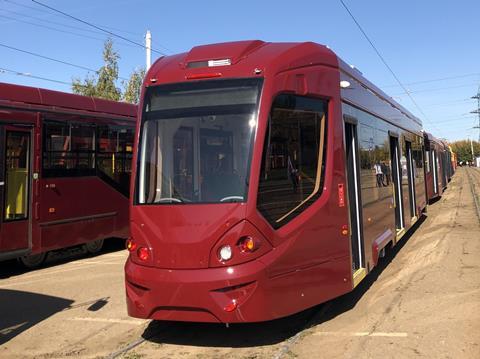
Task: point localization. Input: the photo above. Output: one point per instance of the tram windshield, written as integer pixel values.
(196, 141)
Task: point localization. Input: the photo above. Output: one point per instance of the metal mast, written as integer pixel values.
(148, 48)
(477, 111)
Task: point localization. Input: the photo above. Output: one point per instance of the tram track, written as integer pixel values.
(167, 333)
(473, 176)
(157, 330)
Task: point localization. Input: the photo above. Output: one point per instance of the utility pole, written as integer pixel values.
(148, 48)
(477, 111)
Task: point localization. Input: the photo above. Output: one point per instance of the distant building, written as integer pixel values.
(477, 162)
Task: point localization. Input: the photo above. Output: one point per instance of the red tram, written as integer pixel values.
(65, 163)
(269, 177)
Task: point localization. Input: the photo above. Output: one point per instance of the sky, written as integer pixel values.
(432, 46)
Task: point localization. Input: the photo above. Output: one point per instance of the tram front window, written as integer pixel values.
(196, 141)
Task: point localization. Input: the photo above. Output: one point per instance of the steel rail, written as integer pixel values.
(472, 188)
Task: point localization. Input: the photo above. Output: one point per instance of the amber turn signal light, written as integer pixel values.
(130, 244)
(248, 244)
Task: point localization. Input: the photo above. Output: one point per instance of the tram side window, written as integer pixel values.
(417, 155)
(114, 154)
(68, 149)
(292, 171)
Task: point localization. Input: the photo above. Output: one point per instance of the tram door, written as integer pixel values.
(411, 179)
(354, 198)
(435, 171)
(15, 167)
(397, 183)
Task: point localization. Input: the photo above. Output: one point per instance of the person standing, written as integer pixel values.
(378, 174)
(386, 173)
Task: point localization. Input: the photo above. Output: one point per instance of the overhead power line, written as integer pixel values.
(455, 119)
(385, 63)
(434, 89)
(55, 29)
(448, 103)
(26, 6)
(96, 27)
(27, 74)
(55, 60)
(436, 80)
(50, 21)
(50, 13)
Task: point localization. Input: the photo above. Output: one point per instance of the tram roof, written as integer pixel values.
(242, 58)
(24, 96)
(439, 141)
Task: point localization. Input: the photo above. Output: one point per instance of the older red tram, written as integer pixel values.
(65, 163)
(268, 178)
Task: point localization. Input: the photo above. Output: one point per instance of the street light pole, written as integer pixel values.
(148, 49)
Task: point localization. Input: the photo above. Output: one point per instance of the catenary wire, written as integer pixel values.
(386, 65)
(26, 74)
(50, 13)
(58, 30)
(16, 13)
(435, 80)
(97, 27)
(55, 60)
(435, 89)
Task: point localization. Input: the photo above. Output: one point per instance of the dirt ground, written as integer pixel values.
(423, 300)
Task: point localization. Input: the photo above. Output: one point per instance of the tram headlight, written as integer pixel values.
(225, 253)
(242, 243)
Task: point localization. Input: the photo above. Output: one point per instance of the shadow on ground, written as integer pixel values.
(13, 267)
(267, 333)
(20, 311)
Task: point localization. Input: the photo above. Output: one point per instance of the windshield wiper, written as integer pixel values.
(169, 200)
(232, 199)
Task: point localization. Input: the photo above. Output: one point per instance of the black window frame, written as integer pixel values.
(223, 109)
(64, 172)
(96, 171)
(123, 188)
(306, 202)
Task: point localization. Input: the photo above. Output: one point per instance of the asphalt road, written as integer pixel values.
(423, 300)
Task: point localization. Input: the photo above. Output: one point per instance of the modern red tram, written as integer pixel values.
(65, 163)
(269, 177)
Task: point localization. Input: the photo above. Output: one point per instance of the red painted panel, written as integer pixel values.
(67, 206)
(183, 236)
(13, 236)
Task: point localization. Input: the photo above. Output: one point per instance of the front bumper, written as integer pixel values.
(227, 294)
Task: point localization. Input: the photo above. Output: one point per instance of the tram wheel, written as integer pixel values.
(33, 260)
(94, 247)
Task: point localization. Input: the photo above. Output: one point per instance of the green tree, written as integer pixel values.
(463, 149)
(133, 86)
(103, 83)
